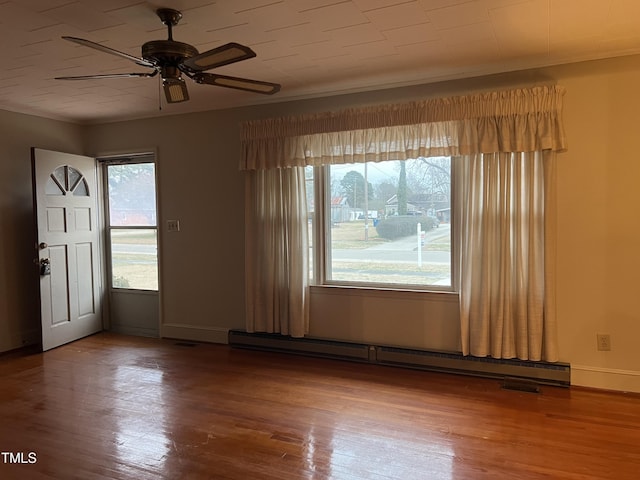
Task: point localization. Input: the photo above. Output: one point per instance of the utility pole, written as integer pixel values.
(366, 205)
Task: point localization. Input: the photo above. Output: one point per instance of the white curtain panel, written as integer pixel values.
(506, 291)
(276, 252)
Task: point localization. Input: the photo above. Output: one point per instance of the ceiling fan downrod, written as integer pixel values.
(170, 18)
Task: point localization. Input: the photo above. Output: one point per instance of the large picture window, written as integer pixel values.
(386, 224)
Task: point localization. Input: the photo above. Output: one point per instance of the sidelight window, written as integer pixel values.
(133, 232)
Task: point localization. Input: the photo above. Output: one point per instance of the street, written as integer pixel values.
(402, 250)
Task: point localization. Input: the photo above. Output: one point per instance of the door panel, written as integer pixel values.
(58, 285)
(84, 262)
(65, 201)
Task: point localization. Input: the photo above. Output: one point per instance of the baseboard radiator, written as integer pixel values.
(557, 374)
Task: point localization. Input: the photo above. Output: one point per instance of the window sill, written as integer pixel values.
(368, 291)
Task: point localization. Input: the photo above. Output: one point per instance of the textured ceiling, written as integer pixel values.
(311, 47)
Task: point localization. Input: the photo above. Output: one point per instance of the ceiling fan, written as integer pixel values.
(171, 59)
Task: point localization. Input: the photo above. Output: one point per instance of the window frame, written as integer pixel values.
(320, 242)
(109, 228)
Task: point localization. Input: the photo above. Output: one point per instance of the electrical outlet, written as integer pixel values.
(173, 225)
(604, 342)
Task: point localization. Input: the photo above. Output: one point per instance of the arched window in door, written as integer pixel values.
(66, 180)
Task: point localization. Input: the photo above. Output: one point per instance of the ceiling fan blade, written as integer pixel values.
(217, 57)
(256, 86)
(109, 75)
(102, 48)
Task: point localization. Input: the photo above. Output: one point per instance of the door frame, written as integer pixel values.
(102, 161)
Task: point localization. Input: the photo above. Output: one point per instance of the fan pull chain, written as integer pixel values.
(160, 93)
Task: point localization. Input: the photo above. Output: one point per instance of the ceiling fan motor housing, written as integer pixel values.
(167, 52)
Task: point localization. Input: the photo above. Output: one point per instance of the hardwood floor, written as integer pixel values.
(116, 407)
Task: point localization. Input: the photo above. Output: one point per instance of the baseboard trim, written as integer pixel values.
(136, 331)
(194, 333)
(606, 378)
(20, 339)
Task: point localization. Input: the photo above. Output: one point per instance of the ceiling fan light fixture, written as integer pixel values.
(175, 90)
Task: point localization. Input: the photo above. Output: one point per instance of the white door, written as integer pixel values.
(66, 209)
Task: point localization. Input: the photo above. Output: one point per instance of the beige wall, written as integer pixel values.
(202, 267)
(599, 223)
(598, 227)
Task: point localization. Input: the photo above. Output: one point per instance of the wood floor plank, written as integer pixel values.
(118, 407)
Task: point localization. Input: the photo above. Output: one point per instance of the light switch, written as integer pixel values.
(173, 225)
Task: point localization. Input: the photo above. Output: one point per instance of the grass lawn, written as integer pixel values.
(352, 235)
(134, 270)
(134, 237)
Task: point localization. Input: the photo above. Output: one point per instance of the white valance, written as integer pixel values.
(521, 120)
